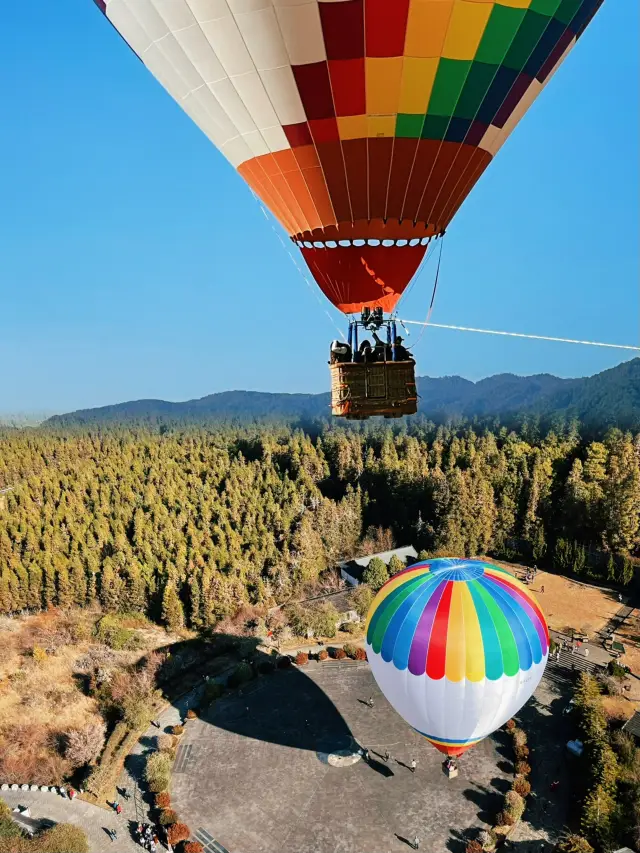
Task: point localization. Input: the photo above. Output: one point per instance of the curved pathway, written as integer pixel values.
(92, 819)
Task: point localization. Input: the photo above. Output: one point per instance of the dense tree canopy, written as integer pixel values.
(190, 525)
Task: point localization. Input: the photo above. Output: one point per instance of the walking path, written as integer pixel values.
(92, 819)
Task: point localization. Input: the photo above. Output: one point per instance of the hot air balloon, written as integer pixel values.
(361, 124)
(457, 647)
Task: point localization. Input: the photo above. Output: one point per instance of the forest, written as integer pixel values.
(187, 526)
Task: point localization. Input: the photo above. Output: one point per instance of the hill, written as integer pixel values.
(608, 398)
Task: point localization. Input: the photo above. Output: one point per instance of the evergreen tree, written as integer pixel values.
(375, 574)
(612, 569)
(395, 565)
(172, 612)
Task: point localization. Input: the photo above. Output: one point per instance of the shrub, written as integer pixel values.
(136, 712)
(212, 691)
(284, 662)
(573, 844)
(324, 618)
(177, 730)
(513, 804)
(361, 654)
(158, 771)
(487, 839)
(473, 847)
(624, 746)
(163, 800)
(615, 669)
(84, 745)
(110, 631)
(62, 838)
(510, 725)
(350, 628)
(39, 654)
(519, 737)
(302, 658)
(521, 752)
(191, 714)
(521, 786)
(323, 654)
(522, 768)
(350, 650)
(360, 600)
(340, 654)
(165, 743)
(240, 675)
(610, 686)
(193, 847)
(167, 817)
(505, 819)
(177, 832)
(265, 667)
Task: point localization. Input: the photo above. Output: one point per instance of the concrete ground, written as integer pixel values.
(254, 774)
(93, 819)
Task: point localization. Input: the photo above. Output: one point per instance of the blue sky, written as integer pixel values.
(124, 274)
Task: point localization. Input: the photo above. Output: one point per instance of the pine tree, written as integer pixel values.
(395, 565)
(172, 611)
(64, 591)
(195, 603)
(375, 574)
(612, 569)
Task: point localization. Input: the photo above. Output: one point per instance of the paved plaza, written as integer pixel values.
(257, 772)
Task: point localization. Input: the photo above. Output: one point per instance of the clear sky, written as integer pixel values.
(135, 263)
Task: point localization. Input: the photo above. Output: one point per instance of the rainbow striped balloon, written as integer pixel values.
(457, 647)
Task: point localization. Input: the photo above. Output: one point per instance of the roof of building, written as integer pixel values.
(633, 725)
(356, 566)
(623, 850)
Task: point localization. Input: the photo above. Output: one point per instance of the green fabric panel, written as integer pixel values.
(475, 88)
(409, 125)
(447, 86)
(545, 7)
(525, 41)
(567, 10)
(435, 127)
(501, 29)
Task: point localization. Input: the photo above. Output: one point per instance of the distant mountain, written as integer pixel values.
(608, 398)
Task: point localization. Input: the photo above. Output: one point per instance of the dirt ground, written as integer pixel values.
(42, 692)
(570, 604)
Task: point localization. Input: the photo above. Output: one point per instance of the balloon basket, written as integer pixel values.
(450, 769)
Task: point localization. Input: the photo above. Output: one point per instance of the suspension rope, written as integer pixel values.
(297, 266)
(433, 295)
(518, 335)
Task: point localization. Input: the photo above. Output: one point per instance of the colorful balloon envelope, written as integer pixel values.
(457, 647)
(361, 124)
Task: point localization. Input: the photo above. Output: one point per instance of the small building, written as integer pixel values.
(623, 850)
(632, 726)
(351, 570)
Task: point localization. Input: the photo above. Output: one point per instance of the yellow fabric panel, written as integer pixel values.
(417, 82)
(466, 27)
(475, 669)
(515, 4)
(383, 75)
(352, 127)
(381, 125)
(454, 666)
(427, 27)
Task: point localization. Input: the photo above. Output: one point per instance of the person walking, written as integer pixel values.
(387, 755)
(542, 588)
(370, 702)
(416, 843)
(620, 597)
(413, 765)
(118, 809)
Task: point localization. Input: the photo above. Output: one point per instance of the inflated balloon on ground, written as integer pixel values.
(457, 647)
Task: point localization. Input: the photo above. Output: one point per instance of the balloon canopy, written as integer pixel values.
(457, 647)
(361, 124)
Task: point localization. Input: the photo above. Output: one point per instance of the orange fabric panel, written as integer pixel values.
(330, 154)
(427, 152)
(298, 186)
(478, 163)
(379, 152)
(319, 191)
(355, 158)
(404, 152)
